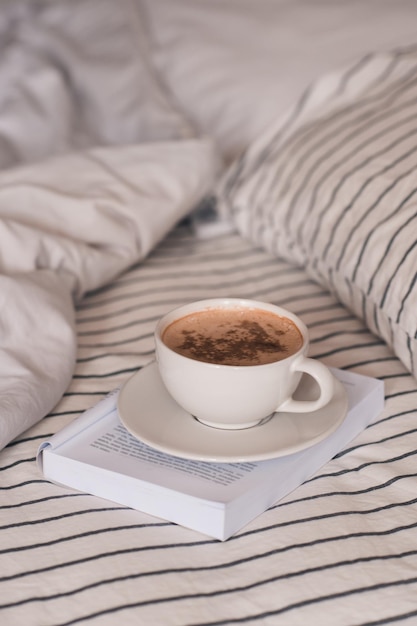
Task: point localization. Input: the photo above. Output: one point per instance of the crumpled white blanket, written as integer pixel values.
(96, 167)
(69, 225)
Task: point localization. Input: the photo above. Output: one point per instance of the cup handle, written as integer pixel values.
(322, 376)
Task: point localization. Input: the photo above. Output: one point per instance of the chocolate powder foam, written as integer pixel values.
(227, 337)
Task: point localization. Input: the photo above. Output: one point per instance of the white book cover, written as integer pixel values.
(97, 455)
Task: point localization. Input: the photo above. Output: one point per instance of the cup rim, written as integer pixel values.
(226, 302)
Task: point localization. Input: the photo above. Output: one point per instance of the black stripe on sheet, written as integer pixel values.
(128, 370)
(77, 513)
(336, 514)
(90, 533)
(398, 435)
(328, 539)
(341, 333)
(370, 361)
(105, 555)
(394, 376)
(397, 394)
(351, 470)
(301, 603)
(390, 620)
(344, 349)
(114, 344)
(106, 355)
(228, 254)
(175, 252)
(345, 494)
(102, 392)
(25, 483)
(36, 501)
(331, 320)
(16, 463)
(321, 308)
(20, 442)
(351, 449)
(119, 327)
(210, 568)
(391, 416)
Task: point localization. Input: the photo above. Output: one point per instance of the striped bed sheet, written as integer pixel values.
(340, 550)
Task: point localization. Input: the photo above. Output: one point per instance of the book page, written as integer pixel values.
(107, 444)
(119, 441)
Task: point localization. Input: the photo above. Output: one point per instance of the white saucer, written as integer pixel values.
(148, 412)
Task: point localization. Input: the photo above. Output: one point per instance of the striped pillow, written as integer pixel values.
(333, 188)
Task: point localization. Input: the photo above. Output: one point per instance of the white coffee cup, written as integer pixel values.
(238, 396)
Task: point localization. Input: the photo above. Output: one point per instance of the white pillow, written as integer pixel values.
(235, 65)
(334, 189)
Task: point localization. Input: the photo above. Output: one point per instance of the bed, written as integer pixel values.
(150, 157)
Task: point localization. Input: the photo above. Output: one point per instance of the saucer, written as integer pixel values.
(150, 414)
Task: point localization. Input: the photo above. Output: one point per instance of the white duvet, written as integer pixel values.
(69, 225)
(74, 215)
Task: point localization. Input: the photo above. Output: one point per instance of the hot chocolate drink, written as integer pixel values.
(234, 336)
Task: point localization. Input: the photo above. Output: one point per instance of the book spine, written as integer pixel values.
(95, 413)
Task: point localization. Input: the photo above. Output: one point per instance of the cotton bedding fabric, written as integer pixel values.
(100, 162)
(338, 550)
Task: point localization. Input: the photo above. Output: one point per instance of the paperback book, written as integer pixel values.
(97, 455)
